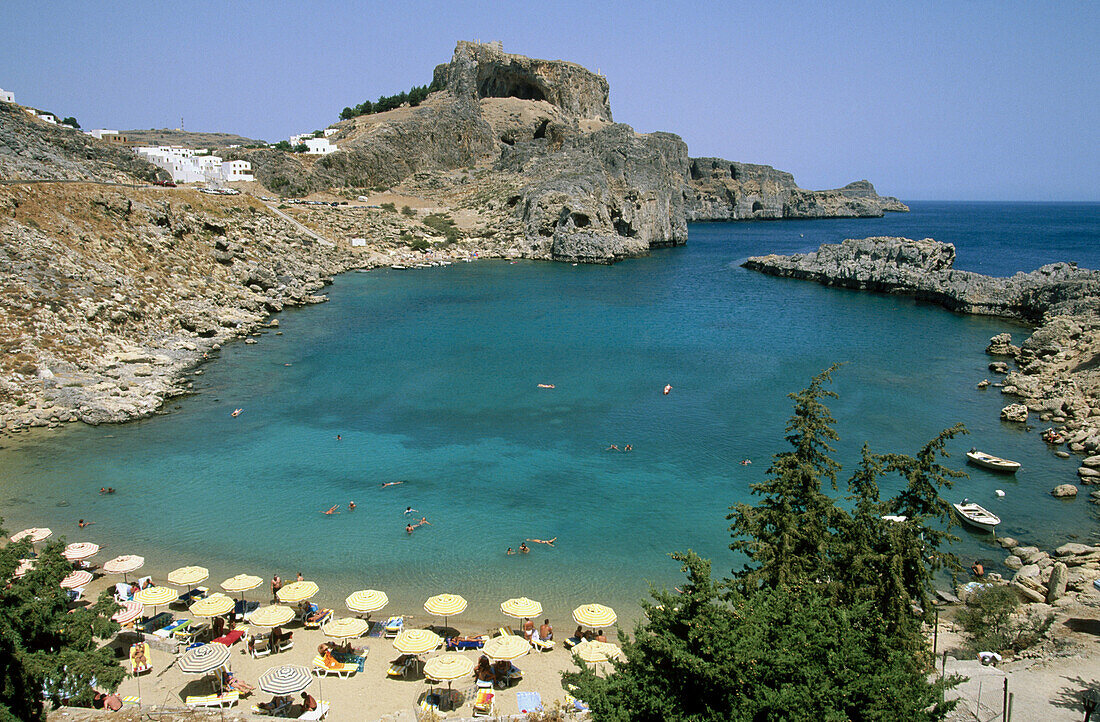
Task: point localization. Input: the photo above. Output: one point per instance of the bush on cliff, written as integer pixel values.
(991, 621)
(44, 649)
(824, 621)
(413, 97)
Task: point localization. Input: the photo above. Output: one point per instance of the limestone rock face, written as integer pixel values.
(1001, 345)
(1064, 490)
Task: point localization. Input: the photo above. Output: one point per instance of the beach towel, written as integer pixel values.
(230, 639)
(377, 629)
(529, 702)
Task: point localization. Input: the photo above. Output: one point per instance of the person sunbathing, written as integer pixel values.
(276, 702)
(238, 684)
(138, 657)
(549, 542)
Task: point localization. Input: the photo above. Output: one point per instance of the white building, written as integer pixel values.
(7, 96)
(186, 167)
(100, 132)
(331, 131)
(48, 117)
(320, 146)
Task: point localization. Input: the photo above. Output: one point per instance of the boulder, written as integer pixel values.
(1014, 562)
(1001, 345)
(1073, 548)
(1007, 542)
(1016, 413)
(1027, 572)
(1028, 595)
(1064, 490)
(998, 367)
(1056, 586)
(1093, 462)
(984, 383)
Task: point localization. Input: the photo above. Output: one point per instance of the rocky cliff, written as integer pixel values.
(1058, 366)
(723, 190)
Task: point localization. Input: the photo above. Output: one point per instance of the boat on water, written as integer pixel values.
(977, 515)
(993, 463)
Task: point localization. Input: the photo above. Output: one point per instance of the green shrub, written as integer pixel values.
(420, 244)
(389, 207)
(301, 148)
(282, 145)
(442, 224)
(990, 621)
(406, 211)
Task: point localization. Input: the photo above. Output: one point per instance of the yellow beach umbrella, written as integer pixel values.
(521, 607)
(25, 565)
(34, 534)
(79, 551)
(593, 651)
(273, 615)
(366, 601)
(509, 646)
(445, 605)
(447, 668)
(296, 591)
(241, 583)
(213, 606)
(416, 641)
(347, 628)
(156, 596)
(594, 615)
(188, 576)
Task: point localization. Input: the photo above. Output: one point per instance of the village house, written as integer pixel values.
(188, 166)
(7, 96)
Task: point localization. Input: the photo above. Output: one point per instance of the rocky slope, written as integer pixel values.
(31, 149)
(1057, 373)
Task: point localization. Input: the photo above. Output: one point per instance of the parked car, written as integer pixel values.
(165, 183)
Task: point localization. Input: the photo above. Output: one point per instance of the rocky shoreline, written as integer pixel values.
(1054, 373)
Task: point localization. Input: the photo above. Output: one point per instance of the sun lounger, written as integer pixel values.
(230, 638)
(243, 610)
(194, 594)
(402, 666)
(341, 669)
(317, 714)
(75, 594)
(259, 646)
(528, 702)
(505, 632)
(122, 592)
(484, 705)
(317, 618)
(191, 632)
(132, 699)
(166, 632)
(393, 627)
(225, 699)
(286, 642)
(542, 645)
(456, 643)
(151, 625)
(140, 669)
(279, 710)
(571, 642)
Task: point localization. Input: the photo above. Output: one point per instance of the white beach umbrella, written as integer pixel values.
(366, 601)
(34, 534)
(76, 580)
(80, 551)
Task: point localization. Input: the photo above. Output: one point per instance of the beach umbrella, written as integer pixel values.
(188, 576)
(80, 551)
(416, 641)
(203, 659)
(213, 606)
(25, 565)
(273, 615)
(366, 601)
(447, 668)
(284, 680)
(347, 628)
(241, 583)
(296, 591)
(445, 605)
(76, 580)
(124, 565)
(156, 596)
(34, 534)
(521, 607)
(507, 647)
(594, 615)
(130, 611)
(593, 651)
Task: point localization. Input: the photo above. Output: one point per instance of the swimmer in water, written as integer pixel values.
(409, 528)
(83, 523)
(338, 437)
(510, 551)
(332, 510)
(523, 548)
(628, 447)
(612, 448)
(392, 483)
(236, 412)
(351, 506)
(548, 542)
(410, 510)
(668, 387)
(746, 462)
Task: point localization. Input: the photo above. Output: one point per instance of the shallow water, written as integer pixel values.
(430, 378)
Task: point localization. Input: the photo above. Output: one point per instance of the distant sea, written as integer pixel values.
(429, 377)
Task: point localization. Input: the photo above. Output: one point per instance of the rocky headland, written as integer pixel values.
(1054, 373)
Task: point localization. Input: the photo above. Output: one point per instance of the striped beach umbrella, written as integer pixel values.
(124, 564)
(445, 605)
(130, 611)
(347, 628)
(80, 551)
(24, 566)
(203, 659)
(241, 583)
(188, 576)
(288, 679)
(594, 652)
(34, 534)
(447, 668)
(296, 592)
(76, 580)
(273, 615)
(521, 607)
(594, 615)
(366, 601)
(508, 646)
(213, 606)
(156, 596)
(416, 641)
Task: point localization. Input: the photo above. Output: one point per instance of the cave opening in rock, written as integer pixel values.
(509, 86)
(580, 220)
(757, 206)
(540, 132)
(733, 172)
(512, 201)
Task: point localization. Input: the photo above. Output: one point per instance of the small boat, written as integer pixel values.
(977, 515)
(896, 518)
(546, 386)
(994, 463)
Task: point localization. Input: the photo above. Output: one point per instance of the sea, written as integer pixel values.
(428, 380)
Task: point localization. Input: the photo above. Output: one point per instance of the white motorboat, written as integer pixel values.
(993, 463)
(977, 515)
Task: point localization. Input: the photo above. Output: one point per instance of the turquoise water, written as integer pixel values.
(430, 378)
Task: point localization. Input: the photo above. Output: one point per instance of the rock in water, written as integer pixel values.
(1056, 586)
(1001, 345)
(1014, 412)
(1064, 490)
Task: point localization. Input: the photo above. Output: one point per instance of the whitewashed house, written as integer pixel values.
(320, 146)
(187, 167)
(237, 170)
(48, 117)
(7, 96)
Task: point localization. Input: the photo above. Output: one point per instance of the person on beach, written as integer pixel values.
(300, 577)
(351, 506)
(510, 551)
(236, 683)
(600, 636)
(276, 638)
(275, 703)
(308, 703)
(545, 630)
(83, 523)
(484, 669)
(528, 627)
(391, 483)
(523, 548)
(548, 542)
(977, 569)
(138, 657)
(410, 510)
(276, 585)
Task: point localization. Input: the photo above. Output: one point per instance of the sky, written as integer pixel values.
(943, 100)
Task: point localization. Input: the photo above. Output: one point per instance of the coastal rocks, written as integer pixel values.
(1093, 462)
(984, 383)
(1016, 413)
(1013, 562)
(1007, 542)
(998, 367)
(1001, 345)
(1074, 549)
(1056, 585)
(1064, 490)
(1088, 475)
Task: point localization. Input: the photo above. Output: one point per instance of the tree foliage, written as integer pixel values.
(44, 646)
(823, 621)
(991, 621)
(413, 97)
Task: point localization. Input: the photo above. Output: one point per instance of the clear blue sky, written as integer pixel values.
(973, 100)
